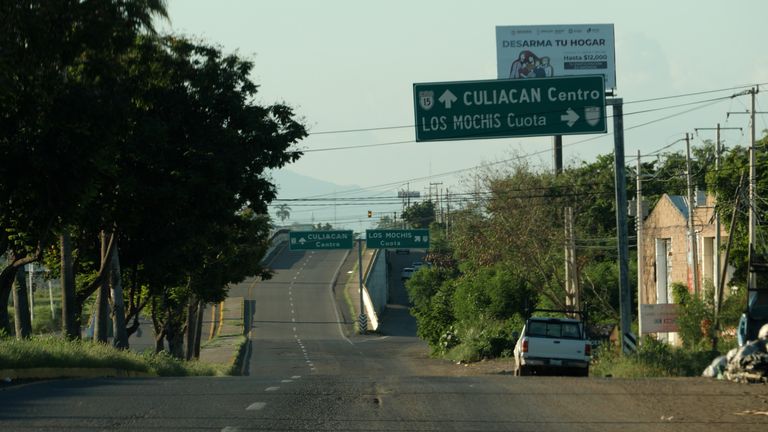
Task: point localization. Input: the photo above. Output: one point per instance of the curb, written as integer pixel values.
(50, 373)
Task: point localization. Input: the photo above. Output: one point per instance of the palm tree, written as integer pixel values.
(283, 212)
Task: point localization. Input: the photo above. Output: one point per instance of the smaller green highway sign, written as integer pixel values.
(320, 240)
(397, 239)
(509, 108)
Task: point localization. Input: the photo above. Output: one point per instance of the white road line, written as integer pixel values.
(293, 319)
(230, 429)
(256, 406)
(294, 329)
(286, 381)
(296, 377)
(271, 388)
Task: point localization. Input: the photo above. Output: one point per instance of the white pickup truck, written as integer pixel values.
(552, 344)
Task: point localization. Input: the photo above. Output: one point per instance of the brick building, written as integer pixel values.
(666, 247)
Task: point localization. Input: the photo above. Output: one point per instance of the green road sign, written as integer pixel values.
(397, 239)
(509, 108)
(312, 240)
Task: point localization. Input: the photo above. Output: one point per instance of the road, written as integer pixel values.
(305, 372)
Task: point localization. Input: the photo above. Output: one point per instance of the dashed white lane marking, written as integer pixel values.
(230, 429)
(256, 406)
(294, 329)
(296, 377)
(286, 381)
(293, 319)
(271, 388)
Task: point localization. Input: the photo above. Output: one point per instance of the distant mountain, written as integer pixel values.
(293, 185)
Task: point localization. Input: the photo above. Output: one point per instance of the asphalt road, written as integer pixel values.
(307, 373)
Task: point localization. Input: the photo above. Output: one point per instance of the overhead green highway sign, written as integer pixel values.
(314, 240)
(397, 239)
(509, 108)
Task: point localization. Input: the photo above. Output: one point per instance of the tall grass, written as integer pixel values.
(654, 359)
(54, 352)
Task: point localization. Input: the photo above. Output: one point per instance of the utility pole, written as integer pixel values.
(691, 227)
(640, 250)
(628, 340)
(718, 240)
(751, 281)
(572, 298)
(557, 140)
(436, 205)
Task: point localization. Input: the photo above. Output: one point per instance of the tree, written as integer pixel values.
(56, 56)
(420, 215)
(196, 159)
(283, 212)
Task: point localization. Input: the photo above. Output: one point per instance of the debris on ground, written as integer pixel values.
(746, 364)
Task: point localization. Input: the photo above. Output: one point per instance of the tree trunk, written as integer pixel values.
(22, 319)
(7, 276)
(191, 328)
(159, 331)
(175, 336)
(70, 322)
(101, 315)
(199, 327)
(118, 312)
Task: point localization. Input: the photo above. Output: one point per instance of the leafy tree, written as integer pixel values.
(420, 215)
(61, 119)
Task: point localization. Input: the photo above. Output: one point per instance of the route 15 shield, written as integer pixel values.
(426, 99)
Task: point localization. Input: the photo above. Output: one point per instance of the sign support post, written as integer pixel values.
(363, 317)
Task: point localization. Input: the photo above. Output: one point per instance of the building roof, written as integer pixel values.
(681, 204)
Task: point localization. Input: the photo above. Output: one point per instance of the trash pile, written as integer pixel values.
(746, 364)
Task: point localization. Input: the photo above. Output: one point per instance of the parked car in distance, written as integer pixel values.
(416, 265)
(556, 345)
(406, 273)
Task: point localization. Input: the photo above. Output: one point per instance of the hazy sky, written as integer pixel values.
(352, 64)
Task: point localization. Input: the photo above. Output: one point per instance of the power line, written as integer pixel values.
(370, 129)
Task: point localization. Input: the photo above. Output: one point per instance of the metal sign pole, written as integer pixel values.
(363, 317)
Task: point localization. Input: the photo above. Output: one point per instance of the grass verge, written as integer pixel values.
(654, 359)
(54, 352)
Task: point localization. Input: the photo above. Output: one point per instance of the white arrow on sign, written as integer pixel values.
(448, 98)
(302, 240)
(570, 116)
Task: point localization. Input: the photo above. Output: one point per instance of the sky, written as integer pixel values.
(348, 65)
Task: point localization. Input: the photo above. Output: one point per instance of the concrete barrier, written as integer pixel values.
(375, 287)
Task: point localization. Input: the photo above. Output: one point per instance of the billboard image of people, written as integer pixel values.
(556, 50)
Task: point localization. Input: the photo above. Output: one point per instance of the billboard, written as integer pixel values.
(556, 51)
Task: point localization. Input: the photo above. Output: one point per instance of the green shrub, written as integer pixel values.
(484, 338)
(653, 359)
